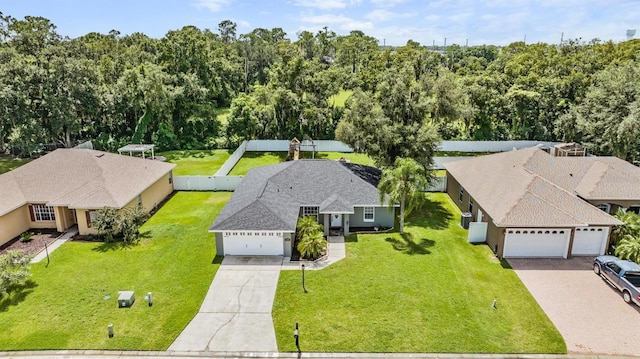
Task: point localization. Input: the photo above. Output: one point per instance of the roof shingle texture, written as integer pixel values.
(270, 197)
(79, 178)
(530, 187)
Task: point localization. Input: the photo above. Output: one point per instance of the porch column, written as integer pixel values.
(327, 224)
(345, 218)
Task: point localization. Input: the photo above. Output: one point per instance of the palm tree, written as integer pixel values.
(311, 241)
(630, 226)
(629, 248)
(404, 183)
(312, 245)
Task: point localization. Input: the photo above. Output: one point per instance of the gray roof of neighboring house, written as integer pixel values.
(79, 178)
(270, 197)
(530, 187)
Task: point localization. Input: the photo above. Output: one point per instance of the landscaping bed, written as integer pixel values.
(35, 245)
(426, 291)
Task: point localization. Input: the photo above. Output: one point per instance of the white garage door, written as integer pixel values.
(253, 244)
(536, 242)
(589, 241)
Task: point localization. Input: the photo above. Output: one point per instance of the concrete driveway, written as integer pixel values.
(236, 313)
(590, 314)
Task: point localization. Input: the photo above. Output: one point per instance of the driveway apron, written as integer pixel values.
(588, 312)
(236, 312)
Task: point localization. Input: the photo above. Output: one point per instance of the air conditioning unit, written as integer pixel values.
(126, 298)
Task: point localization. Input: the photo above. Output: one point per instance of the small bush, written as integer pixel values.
(26, 237)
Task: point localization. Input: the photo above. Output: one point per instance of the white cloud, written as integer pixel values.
(323, 4)
(380, 15)
(387, 3)
(341, 22)
(211, 5)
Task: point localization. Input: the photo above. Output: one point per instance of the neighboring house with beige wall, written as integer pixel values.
(64, 188)
(539, 205)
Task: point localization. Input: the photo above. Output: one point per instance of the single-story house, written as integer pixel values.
(65, 187)
(539, 205)
(261, 215)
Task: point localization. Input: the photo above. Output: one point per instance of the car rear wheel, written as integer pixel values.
(596, 268)
(626, 296)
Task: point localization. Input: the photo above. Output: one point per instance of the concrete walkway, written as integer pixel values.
(335, 252)
(236, 312)
(56, 244)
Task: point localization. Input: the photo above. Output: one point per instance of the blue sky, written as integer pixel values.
(393, 22)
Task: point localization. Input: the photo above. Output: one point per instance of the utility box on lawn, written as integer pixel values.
(126, 298)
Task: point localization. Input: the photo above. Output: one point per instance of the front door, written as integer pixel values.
(336, 220)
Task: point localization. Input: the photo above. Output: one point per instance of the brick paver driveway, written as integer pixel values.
(590, 315)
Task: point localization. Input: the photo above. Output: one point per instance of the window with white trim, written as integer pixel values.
(605, 207)
(310, 211)
(43, 213)
(368, 214)
(470, 206)
(460, 193)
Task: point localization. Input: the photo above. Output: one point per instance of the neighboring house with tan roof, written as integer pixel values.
(539, 205)
(66, 186)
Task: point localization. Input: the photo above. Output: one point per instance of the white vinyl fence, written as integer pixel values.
(438, 185)
(206, 183)
(228, 165)
(490, 146)
(283, 146)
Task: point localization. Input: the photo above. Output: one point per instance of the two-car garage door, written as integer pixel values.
(554, 242)
(536, 242)
(253, 243)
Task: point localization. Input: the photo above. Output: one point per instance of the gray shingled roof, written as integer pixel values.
(79, 178)
(530, 187)
(270, 197)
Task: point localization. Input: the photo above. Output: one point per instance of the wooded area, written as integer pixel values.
(116, 89)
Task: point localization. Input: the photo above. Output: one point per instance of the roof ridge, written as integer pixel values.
(526, 189)
(102, 177)
(598, 178)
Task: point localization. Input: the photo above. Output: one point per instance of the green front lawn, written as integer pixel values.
(428, 291)
(65, 305)
(196, 162)
(359, 158)
(256, 159)
(8, 164)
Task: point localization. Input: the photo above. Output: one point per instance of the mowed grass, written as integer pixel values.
(8, 164)
(359, 158)
(196, 162)
(64, 305)
(426, 291)
(256, 159)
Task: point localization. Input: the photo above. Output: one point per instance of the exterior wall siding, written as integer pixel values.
(382, 218)
(219, 244)
(14, 223)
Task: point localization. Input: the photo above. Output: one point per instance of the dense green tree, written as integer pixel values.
(608, 120)
(405, 184)
(14, 271)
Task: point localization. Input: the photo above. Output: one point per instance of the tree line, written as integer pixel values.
(116, 89)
